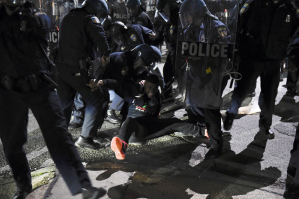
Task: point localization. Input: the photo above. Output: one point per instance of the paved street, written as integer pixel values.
(171, 167)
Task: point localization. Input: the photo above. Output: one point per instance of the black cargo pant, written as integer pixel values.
(211, 118)
(45, 106)
(292, 80)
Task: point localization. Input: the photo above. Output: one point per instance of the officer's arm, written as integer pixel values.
(150, 24)
(97, 34)
(147, 33)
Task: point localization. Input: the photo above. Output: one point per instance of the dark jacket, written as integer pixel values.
(143, 19)
(80, 35)
(265, 30)
(118, 61)
(21, 53)
(136, 35)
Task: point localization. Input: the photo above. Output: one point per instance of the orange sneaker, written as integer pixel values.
(119, 147)
(206, 133)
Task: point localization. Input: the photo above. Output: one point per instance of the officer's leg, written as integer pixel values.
(95, 111)
(291, 83)
(168, 69)
(78, 111)
(13, 133)
(46, 108)
(269, 84)
(249, 74)
(66, 95)
(213, 123)
(116, 104)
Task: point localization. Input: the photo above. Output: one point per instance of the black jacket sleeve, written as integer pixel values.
(97, 34)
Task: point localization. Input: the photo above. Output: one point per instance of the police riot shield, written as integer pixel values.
(118, 11)
(56, 10)
(204, 50)
(150, 8)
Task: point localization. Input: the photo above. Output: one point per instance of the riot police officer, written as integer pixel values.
(24, 84)
(132, 36)
(265, 29)
(130, 66)
(204, 74)
(118, 11)
(81, 34)
(137, 15)
(169, 23)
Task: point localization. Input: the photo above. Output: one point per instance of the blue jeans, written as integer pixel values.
(96, 101)
(117, 101)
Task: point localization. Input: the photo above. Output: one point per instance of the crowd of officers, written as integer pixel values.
(112, 48)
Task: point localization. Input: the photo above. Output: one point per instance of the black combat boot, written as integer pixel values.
(112, 117)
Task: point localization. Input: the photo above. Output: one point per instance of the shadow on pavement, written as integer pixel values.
(166, 172)
(287, 109)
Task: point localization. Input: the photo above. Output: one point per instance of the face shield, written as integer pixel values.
(134, 10)
(192, 12)
(101, 13)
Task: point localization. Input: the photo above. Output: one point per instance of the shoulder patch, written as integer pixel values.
(95, 20)
(139, 22)
(244, 8)
(222, 31)
(171, 29)
(133, 37)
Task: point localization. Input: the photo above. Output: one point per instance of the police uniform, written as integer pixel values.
(79, 32)
(142, 19)
(136, 35)
(265, 29)
(23, 86)
(120, 61)
(211, 30)
(170, 37)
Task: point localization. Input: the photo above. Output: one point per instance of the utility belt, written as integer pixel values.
(26, 84)
(85, 66)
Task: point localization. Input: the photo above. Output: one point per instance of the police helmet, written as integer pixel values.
(192, 10)
(14, 3)
(107, 23)
(147, 53)
(133, 3)
(117, 28)
(229, 3)
(99, 6)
